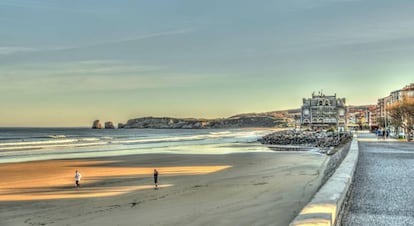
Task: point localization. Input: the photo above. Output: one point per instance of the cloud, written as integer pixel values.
(300, 5)
(40, 5)
(158, 34)
(347, 0)
(136, 37)
(6, 50)
(93, 75)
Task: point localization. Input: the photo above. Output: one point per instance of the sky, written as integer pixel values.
(67, 63)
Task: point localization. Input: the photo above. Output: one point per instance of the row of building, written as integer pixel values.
(327, 111)
(382, 116)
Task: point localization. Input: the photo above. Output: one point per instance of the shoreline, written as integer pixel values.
(195, 189)
(88, 143)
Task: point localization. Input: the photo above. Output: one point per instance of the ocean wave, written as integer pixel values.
(212, 135)
(220, 133)
(88, 139)
(57, 136)
(52, 143)
(64, 145)
(40, 142)
(117, 142)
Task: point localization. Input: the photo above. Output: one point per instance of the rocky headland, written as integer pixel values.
(191, 123)
(313, 139)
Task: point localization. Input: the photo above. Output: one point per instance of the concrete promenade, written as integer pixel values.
(326, 204)
(383, 188)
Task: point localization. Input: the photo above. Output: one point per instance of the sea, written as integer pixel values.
(33, 144)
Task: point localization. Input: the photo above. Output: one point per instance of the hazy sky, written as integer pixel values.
(66, 63)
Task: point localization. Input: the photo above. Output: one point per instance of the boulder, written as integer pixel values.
(323, 140)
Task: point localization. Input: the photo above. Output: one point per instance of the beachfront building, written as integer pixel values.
(393, 97)
(382, 113)
(383, 119)
(323, 112)
(361, 117)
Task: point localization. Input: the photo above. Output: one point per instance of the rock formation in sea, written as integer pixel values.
(109, 125)
(96, 124)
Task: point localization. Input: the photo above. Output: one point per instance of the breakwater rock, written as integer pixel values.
(322, 140)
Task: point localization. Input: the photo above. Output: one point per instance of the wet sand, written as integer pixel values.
(233, 189)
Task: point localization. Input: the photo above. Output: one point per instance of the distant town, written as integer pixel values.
(393, 114)
(320, 111)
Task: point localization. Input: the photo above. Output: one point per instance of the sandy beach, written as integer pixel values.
(232, 189)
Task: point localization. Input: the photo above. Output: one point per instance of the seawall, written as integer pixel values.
(326, 205)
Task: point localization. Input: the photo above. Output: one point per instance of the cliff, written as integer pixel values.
(180, 123)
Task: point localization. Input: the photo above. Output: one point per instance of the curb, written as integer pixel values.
(325, 206)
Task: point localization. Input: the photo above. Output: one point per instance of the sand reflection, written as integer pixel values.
(45, 180)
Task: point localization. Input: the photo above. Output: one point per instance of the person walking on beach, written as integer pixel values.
(156, 179)
(77, 178)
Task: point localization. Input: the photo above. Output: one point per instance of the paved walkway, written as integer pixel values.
(383, 190)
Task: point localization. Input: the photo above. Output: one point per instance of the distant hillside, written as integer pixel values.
(181, 123)
(279, 114)
(279, 119)
(353, 108)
